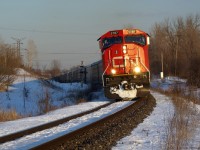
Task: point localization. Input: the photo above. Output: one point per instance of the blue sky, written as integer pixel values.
(73, 26)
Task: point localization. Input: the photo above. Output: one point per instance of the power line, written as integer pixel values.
(18, 44)
(46, 31)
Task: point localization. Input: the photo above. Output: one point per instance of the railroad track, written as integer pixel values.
(49, 84)
(104, 133)
(14, 136)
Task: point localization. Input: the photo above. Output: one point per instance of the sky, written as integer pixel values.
(67, 30)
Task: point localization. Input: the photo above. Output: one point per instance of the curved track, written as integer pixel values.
(19, 134)
(104, 133)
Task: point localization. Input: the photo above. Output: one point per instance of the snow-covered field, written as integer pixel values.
(37, 138)
(27, 94)
(151, 134)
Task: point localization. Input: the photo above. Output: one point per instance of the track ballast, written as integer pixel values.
(104, 133)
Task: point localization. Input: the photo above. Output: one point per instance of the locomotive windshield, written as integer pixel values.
(138, 39)
(107, 42)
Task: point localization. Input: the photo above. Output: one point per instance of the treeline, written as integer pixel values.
(9, 61)
(175, 48)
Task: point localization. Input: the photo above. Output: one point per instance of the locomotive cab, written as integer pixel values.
(125, 63)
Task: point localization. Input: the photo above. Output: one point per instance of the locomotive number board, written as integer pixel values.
(114, 32)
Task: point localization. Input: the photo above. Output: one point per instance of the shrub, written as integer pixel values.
(8, 115)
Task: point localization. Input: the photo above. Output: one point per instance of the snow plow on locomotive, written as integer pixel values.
(125, 63)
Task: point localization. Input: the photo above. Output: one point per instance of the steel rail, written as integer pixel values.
(79, 132)
(16, 135)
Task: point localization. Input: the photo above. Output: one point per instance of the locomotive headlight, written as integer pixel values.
(124, 49)
(137, 69)
(113, 71)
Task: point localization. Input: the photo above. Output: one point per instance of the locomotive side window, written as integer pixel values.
(138, 39)
(107, 42)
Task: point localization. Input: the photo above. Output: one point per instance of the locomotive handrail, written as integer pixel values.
(106, 68)
(146, 69)
(142, 63)
(104, 73)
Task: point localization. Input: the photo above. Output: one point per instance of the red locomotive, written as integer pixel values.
(125, 61)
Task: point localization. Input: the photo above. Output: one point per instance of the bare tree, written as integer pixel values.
(9, 61)
(31, 52)
(162, 46)
(179, 41)
(55, 69)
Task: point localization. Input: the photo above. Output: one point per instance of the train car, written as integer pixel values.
(96, 75)
(74, 75)
(125, 63)
(90, 74)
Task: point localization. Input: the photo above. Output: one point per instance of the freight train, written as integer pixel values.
(123, 71)
(90, 74)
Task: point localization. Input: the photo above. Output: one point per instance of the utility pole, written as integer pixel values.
(83, 73)
(162, 73)
(176, 54)
(18, 44)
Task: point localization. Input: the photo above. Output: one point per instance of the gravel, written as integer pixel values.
(106, 136)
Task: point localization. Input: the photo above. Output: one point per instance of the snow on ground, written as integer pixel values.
(37, 138)
(168, 83)
(25, 123)
(26, 95)
(150, 134)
